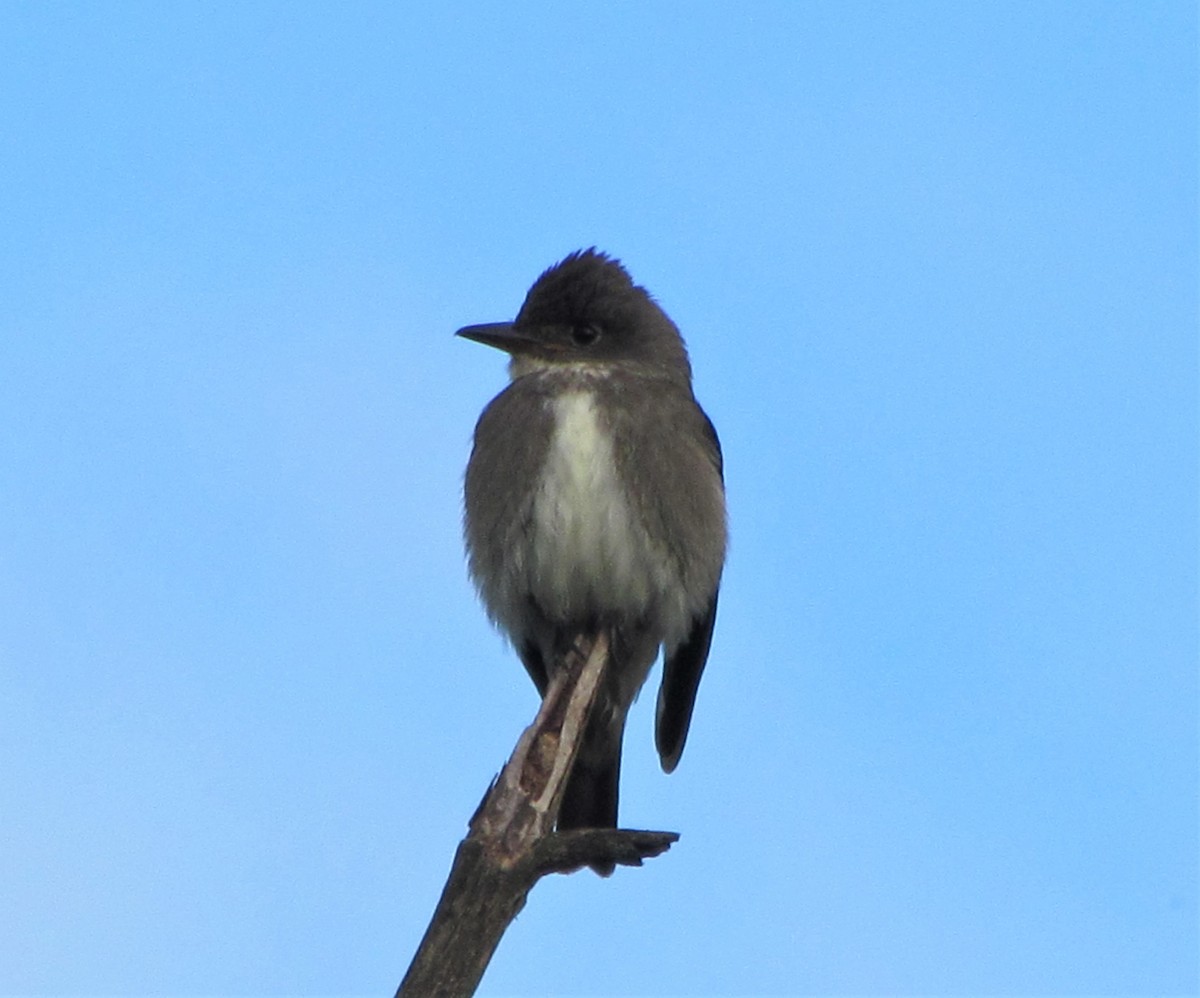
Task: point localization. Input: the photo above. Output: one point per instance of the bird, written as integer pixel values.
(594, 500)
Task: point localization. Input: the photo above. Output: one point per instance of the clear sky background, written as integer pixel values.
(936, 264)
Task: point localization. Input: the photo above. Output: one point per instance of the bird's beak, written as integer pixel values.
(501, 335)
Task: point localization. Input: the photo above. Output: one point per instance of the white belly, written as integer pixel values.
(589, 553)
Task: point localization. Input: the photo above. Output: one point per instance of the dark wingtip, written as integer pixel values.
(682, 671)
(670, 735)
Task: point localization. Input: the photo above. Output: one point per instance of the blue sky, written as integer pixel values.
(936, 264)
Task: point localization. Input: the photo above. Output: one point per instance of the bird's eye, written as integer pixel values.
(585, 334)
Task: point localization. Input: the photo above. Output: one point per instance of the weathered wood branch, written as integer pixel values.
(511, 842)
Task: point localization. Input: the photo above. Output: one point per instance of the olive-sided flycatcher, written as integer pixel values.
(595, 500)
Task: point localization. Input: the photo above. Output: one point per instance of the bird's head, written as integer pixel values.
(586, 310)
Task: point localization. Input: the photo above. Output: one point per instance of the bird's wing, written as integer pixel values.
(683, 665)
(510, 442)
(677, 694)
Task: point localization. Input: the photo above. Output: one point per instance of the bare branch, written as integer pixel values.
(511, 843)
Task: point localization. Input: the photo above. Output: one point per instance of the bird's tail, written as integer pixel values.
(590, 797)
